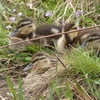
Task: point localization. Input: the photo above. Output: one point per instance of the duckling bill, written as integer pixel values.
(29, 66)
(13, 33)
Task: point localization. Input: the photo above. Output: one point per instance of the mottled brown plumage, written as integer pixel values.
(88, 39)
(26, 29)
(53, 29)
(40, 62)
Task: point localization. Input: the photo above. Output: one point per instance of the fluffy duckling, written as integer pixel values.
(93, 44)
(91, 41)
(40, 62)
(26, 29)
(88, 39)
(60, 40)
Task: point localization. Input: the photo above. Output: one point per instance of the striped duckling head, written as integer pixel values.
(24, 29)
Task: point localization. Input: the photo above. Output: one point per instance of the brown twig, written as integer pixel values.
(49, 36)
(70, 74)
(77, 86)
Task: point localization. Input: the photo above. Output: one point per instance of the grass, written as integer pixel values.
(11, 88)
(84, 68)
(83, 62)
(88, 66)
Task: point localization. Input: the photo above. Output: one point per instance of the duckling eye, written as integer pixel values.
(30, 26)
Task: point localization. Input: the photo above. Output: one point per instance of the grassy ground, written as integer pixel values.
(77, 78)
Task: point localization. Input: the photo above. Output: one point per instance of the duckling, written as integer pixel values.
(86, 35)
(81, 36)
(87, 39)
(91, 42)
(26, 29)
(53, 29)
(40, 62)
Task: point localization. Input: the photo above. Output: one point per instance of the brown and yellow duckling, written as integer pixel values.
(87, 39)
(60, 40)
(26, 29)
(90, 40)
(40, 62)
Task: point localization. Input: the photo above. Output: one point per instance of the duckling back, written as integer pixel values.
(59, 40)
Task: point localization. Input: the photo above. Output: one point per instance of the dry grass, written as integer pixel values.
(53, 79)
(38, 82)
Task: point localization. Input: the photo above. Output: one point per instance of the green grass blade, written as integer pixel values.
(41, 98)
(20, 89)
(11, 87)
(64, 93)
(56, 89)
(69, 91)
(51, 92)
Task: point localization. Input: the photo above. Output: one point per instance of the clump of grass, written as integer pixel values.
(85, 65)
(81, 61)
(3, 35)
